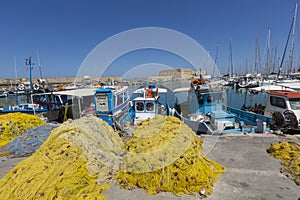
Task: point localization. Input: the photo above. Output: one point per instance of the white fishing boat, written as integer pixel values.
(149, 102)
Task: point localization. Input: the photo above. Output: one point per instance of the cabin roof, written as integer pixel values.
(183, 89)
(288, 94)
(142, 90)
(143, 99)
(77, 93)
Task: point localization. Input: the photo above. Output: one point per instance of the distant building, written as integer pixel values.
(177, 73)
(161, 78)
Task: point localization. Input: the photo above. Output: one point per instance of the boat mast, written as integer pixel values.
(216, 59)
(231, 64)
(287, 41)
(256, 55)
(16, 72)
(40, 69)
(246, 72)
(293, 38)
(274, 60)
(29, 63)
(268, 52)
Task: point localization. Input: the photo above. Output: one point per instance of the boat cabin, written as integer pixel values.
(111, 104)
(284, 103)
(148, 103)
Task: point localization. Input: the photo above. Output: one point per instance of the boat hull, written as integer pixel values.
(249, 118)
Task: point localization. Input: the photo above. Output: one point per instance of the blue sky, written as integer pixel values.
(64, 32)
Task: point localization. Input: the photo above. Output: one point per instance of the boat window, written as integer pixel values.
(210, 99)
(278, 102)
(200, 100)
(149, 106)
(220, 99)
(295, 103)
(120, 98)
(139, 106)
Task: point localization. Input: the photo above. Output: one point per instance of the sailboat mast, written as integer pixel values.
(287, 42)
(40, 69)
(256, 55)
(293, 39)
(216, 59)
(274, 61)
(231, 64)
(16, 72)
(268, 52)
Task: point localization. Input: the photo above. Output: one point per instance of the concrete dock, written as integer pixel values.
(251, 173)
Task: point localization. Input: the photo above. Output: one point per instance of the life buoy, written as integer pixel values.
(21, 86)
(149, 93)
(36, 86)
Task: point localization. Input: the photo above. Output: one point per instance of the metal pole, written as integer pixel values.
(29, 63)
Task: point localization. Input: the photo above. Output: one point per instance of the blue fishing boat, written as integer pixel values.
(202, 111)
(112, 105)
(39, 101)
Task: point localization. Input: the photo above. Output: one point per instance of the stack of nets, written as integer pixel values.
(289, 154)
(28, 142)
(73, 163)
(164, 154)
(14, 124)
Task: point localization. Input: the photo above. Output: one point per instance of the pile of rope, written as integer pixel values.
(14, 124)
(76, 162)
(289, 154)
(165, 155)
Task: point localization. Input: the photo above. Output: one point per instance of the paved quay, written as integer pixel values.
(251, 173)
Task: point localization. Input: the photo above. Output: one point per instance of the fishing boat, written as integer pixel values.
(281, 111)
(284, 107)
(3, 94)
(112, 105)
(202, 110)
(148, 102)
(26, 89)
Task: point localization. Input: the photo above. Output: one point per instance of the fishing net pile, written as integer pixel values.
(165, 155)
(289, 154)
(14, 124)
(75, 162)
(28, 142)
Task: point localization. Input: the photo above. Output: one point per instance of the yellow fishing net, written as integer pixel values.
(289, 154)
(13, 124)
(74, 163)
(164, 154)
